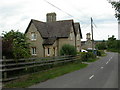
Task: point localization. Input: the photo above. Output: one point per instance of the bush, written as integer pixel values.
(85, 56)
(15, 45)
(99, 53)
(68, 50)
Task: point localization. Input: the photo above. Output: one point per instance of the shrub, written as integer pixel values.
(85, 56)
(99, 53)
(68, 50)
(15, 45)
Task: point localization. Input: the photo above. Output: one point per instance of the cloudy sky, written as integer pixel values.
(16, 15)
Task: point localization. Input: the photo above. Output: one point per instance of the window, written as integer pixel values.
(33, 36)
(33, 50)
(71, 36)
(48, 51)
(48, 54)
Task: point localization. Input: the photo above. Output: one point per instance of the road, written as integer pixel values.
(100, 74)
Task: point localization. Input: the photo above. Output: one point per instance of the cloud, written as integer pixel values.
(16, 14)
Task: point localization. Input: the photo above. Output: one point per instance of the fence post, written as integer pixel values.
(4, 63)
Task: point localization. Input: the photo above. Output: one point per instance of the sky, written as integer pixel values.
(16, 15)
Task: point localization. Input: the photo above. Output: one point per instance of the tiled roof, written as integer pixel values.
(77, 27)
(50, 31)
(57, 29)
(49, 41)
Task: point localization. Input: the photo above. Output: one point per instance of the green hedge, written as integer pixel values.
(85, 56)
(68, 50)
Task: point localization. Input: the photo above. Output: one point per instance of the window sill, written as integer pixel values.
(34, 54)
(33, 39)
(48, 55)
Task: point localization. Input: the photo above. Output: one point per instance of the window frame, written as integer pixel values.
(34, 51)
(33, 36)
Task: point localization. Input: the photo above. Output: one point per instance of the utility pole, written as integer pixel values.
(92, 33)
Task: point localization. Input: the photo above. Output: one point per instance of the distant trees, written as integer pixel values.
(15, 45)
(111, 44)
(101, 46)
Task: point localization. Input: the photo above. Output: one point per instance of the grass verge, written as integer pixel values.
(38, 77)
(92, 60)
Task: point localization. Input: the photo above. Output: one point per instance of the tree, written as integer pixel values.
(113, 44)
(116, 5)
(68, 50)
(15, 45)
(101, 46)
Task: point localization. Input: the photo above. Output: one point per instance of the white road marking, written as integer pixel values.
(102, 67)
(91, 77)
(111, 57)
(107, 62)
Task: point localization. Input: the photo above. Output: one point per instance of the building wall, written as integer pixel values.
(78, 42)
(52, 50)
(36, 43)
(70, 40)
(42, 51)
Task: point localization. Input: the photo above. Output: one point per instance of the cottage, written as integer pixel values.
(47, 38)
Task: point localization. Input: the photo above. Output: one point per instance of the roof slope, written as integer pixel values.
(59, 29)
(49, 41)
(77, 27)
(50, 31)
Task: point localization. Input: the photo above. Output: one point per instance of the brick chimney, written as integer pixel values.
(51, 17)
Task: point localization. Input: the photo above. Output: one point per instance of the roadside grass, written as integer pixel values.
(92, 60)
(31, 79)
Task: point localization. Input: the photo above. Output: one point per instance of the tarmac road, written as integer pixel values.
(100, 74)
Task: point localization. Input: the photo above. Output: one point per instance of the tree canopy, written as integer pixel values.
(15, 45)
(116, 5)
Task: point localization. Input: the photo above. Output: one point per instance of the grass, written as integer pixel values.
(38, 77)
(92, 60)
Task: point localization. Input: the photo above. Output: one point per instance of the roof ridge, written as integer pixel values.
(37, 20)
(65, 20)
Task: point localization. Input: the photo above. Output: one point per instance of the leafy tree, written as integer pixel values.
(15, 45)
(101, 46)
(68, 50)
(116, 5)
(113, 44)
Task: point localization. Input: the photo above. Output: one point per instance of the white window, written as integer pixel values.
(33, 36)
(33, 50)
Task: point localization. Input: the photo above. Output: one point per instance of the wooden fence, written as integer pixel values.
(13, 69)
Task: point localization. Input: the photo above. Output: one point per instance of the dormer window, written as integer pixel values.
(33, 36)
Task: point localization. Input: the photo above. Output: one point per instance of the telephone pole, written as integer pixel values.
(92, 33)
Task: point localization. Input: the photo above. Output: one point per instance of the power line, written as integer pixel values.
(63, 11)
